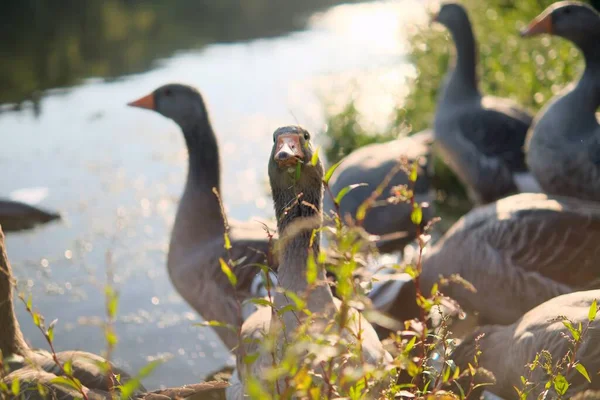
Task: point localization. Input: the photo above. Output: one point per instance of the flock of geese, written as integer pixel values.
(529, 248)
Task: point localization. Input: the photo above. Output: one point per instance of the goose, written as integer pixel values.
(16, 215)
(506, 349)
(34, 366)
(517, 253)
(297, 202)
(563, 145)
(480, 138)
(197, 239)
(370, 165)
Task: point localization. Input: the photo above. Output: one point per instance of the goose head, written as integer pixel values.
(571, 20)
(181, 103)
(291, 164)
(453, 16)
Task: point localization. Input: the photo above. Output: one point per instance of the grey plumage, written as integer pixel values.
(518, 252)
(480, 138)
(507, 349)
(563, 146)
(370, 165)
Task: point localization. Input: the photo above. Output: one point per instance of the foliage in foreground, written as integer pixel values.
(328, 364)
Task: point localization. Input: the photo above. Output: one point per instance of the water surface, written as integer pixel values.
(116, 173)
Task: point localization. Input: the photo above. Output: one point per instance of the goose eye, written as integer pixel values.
(306, 136)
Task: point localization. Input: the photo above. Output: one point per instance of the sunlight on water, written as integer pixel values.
(116, 173)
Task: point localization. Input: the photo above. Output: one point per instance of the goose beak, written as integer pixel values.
(146, 102)
(541, 24)
(288, 150)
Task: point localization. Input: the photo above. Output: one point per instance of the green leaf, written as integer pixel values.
(583, 371)
(29, 301)
(251, 358)
(112, 305)
(37, 321)
(227, 244)
(42, 390)
(434, 289)
(217, 324)
(15, 386)
(111, 338)
(560, 384)
(593, 311)
(576, 334)
(413, 172)
(311, 269)
(227, 271)
(416, 216)
(50, 331)
(346, 190)
(255, 390)
(68, 367)
(330, 171)
(286, 308)
(410, 345)
(261, 302)
(315, 157)
(68, 382)
(361, 213)
(298, 171)
(446, 376)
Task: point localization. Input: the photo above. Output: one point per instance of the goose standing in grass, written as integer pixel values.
(563, 147)
(197, 239)
(480, 138)
(518, 253)
(505, 350)
(370, 165)
(33, 366)
(297, 201)
(16, 216)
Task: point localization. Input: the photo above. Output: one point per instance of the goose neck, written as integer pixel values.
(203, 163)
(299, 246)
(463, 79)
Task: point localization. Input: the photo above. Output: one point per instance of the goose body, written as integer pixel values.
(518, 253)
(370, 165)
(505, 350)
(16, 216)
(293, 144)
(563, 147)
(480, 138)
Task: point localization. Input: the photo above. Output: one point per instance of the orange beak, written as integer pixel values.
(144, 102)
(288, 150)
(541, 24)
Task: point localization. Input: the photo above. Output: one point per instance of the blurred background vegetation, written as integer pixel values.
(530, 71)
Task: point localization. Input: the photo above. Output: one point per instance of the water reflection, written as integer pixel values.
(49, 44)
(117, 175)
